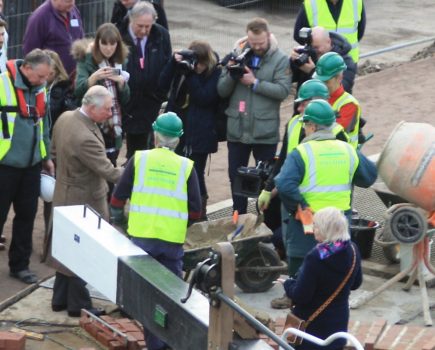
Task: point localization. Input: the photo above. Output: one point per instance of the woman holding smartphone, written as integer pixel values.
(101, 62)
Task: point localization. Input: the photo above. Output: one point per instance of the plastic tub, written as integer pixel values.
(362, 233)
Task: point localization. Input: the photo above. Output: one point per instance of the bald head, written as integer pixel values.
(321, 40)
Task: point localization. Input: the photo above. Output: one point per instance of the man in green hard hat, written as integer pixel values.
(329, 69)
(164, 195)
(318, 173)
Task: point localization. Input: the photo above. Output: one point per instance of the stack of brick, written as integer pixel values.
(129, 336)
(12, 341)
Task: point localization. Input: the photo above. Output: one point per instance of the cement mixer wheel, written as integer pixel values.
(408, 225)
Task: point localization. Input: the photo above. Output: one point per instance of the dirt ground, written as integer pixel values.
(401, 92)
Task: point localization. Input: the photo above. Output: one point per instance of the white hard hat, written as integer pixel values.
(47, 187)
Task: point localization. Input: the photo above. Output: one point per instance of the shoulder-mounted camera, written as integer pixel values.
(249, 181)
(189, 61)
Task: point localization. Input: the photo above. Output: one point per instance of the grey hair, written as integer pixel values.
(331, 224)
(36, 57)
(142, 8)
(95, 96)
(166, 141)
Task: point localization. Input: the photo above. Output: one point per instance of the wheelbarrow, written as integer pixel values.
(257, 264)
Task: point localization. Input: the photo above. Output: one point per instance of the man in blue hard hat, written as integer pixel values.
(164, 194)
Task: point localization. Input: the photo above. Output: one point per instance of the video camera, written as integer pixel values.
(189, 61)
(238, 68)
(307, 51)
(249, 181)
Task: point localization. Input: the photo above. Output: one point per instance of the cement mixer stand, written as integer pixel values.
(409, 226)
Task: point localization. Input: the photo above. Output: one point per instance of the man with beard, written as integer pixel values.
(255, 93)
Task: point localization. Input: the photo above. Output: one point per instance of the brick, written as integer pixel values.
(141, 344)
(136, 335)
(12, 341)
(130, 327)
(104, 338)
(92, 329)
(116, 345)
(108, 319)
(430, 345)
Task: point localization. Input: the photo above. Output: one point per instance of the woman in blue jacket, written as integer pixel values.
(323, 270)
(191, 77)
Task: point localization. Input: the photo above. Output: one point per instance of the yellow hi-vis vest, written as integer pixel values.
(329, 169)
(158, 204)
(343, 100)
(318, 14)
(338, 128)
(8, 113)
(294, 129)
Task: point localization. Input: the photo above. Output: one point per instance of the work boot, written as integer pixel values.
(281, 303)
(2, 246)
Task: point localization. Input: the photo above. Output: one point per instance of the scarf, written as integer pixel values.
(327, 249)
(113, 126)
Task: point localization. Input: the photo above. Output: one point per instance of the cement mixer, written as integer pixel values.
(407, 167)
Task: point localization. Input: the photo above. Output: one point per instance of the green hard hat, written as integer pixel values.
(168, 124)
(319, 112)
(312, 88)
(328, 66)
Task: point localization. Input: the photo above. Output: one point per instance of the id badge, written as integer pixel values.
(242, 106)
(74, 22)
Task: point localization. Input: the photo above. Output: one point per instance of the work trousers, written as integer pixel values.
(238, 155)
(19, 187)
(70, 292)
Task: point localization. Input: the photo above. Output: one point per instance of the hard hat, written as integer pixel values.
(168, 124)
(47, 187)
(312, 88)
(319, 112)
(329, 65)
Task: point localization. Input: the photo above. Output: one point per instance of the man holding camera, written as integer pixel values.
(256, 79)
(319, 41)
(345, 17)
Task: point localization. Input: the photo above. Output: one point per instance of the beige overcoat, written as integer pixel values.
(82, 168)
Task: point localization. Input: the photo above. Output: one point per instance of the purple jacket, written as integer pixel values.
(46, 29)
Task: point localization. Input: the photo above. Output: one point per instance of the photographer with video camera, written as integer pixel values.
(191, 77)
(319, 41)
(254, 99)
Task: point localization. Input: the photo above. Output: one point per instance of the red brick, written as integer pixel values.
(92, 329)
(108, 319)
(105, 338)
(130, 327)
(12, 341)
(116, 345)
(136, 335)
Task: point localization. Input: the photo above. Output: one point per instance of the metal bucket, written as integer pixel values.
(407, 163)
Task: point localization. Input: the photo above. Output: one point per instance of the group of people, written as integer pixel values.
(67, 106)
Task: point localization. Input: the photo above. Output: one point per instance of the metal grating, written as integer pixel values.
(366, 202)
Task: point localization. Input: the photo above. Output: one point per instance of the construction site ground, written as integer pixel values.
(401, 90)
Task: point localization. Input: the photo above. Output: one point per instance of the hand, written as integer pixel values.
(100, 74)
(295, 52)
(264, 200)
(48, 167)
(248, 78)
(117, 217)
(177, 57)
(308, 67)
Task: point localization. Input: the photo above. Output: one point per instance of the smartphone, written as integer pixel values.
(116, 71)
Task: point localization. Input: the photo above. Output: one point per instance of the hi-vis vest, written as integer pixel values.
(294, 129)
(345, 99)
(12, 101)
(318, 14)
(158, 204)
(329, 169)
